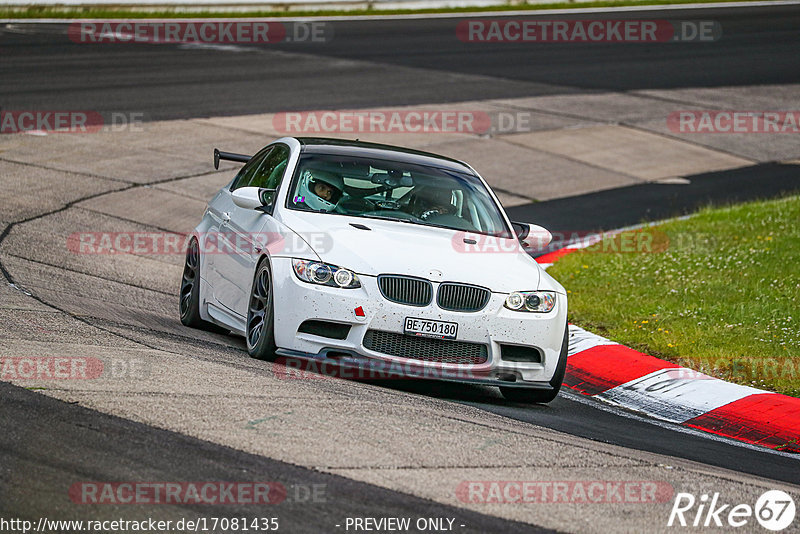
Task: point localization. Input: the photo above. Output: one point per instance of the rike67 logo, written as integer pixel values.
(774, 510)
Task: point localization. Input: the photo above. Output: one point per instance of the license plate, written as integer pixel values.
(430, 328)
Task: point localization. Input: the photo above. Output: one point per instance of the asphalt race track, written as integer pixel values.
(66, 435)
(384, 63)
(50, 441)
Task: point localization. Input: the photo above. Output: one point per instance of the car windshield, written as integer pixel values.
(383, 189)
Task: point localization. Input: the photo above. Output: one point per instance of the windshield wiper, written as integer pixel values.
(386, 218)
(409, 221)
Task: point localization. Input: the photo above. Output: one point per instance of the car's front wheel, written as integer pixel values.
(260, 334)
(531, 396)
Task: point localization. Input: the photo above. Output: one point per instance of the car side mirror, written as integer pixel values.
(532, 236)
(252, 198)
(267, 197)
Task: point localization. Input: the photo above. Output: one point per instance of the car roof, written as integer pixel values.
(325, 145)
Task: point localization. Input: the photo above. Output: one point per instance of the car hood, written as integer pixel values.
(390, 247)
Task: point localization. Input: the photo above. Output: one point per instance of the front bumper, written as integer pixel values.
(297, 301)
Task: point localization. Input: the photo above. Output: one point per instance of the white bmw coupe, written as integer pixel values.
(372, 255)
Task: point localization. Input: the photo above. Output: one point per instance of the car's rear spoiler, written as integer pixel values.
(230, 156)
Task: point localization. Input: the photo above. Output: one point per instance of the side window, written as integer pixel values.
(247, 172)
(271, 170)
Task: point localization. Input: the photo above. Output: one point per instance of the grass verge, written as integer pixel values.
(109, 13)
(721, 296)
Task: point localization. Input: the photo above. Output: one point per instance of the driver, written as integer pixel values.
(320, 190)
(432, 201)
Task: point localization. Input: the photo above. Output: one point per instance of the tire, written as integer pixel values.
(542, 396)
(189, 297)
(260, 332)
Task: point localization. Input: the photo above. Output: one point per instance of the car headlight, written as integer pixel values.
(531, 301)
(324, 274)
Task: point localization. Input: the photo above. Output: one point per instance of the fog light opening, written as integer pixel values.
(506, 377)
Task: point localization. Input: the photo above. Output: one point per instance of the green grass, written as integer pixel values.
(125, 13)
(722, 297)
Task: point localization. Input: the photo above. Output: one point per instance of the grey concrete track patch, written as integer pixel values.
(53, 328)
(525, 173)
(628, 151)
(759, 147)
(155, 207)
(82, 294)
(147, 153)
(203, 186)
(649, 109)
(747, 97)
(596, 107)
(55, 240)
(29, 190)
(13, 299)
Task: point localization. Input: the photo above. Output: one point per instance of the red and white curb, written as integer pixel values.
(624, 377)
